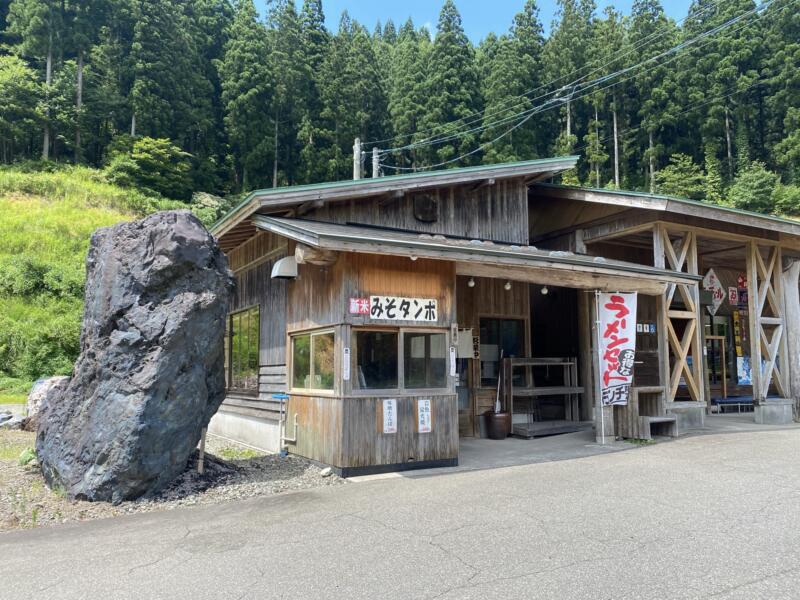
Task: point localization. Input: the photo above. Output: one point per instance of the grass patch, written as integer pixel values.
(232, 453)
(640, 442)
(14, 443)
(13, 398)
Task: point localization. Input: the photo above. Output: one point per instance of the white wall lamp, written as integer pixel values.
(471, 282)
(507, 286)
(545, 291)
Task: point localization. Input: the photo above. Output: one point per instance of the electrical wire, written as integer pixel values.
(652, 36)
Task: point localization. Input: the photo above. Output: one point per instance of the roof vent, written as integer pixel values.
(285, 268)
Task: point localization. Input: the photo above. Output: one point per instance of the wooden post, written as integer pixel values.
(754, 320)
(357, 159)
(201, 453)
(376, 162)
(659, 261)
(585, 344)
(791, 294)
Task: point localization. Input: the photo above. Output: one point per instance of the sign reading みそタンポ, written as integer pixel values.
(394, 308)
(617, 322)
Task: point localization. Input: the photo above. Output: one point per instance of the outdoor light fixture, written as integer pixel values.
(413, 258)
(545, 291)
(507, 286)
(471, 282)
(285, 268)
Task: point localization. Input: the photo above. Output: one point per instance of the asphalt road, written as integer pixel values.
(704, 517)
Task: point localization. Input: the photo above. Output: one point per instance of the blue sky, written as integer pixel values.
(480, 16)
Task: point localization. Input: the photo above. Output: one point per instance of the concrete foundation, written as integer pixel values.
(259, 433)
(691, 415)
(774, 412)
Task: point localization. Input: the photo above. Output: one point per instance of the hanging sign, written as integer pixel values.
(394, 308)
(711, 283)
(733, 296)
(617, 313)
(424, 420)
(390, 416)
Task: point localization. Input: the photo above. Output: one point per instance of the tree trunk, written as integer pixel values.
(48, 82)
(569, 121)
(616, 147)
(275, 158)
(728, 140)
(78, 106)
(652, 165)
(133, 124)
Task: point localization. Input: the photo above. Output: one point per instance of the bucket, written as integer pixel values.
(499, 425)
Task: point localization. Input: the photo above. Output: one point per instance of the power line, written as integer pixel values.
(524, 116)
(481, 115)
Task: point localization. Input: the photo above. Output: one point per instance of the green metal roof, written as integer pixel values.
(390, 179)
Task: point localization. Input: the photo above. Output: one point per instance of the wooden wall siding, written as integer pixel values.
(345, 432)
(257, 248)
(320, 296)
(495, 212)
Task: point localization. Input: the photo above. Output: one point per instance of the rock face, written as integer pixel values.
(150, 373)
(42, 393)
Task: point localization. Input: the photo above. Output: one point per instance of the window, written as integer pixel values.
(425, 360)
(375, 355)
(506, 335)
(312, 361)
(241, 350)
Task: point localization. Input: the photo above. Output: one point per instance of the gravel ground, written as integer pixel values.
(232, 472)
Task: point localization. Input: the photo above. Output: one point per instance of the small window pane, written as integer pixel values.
(425, 357)
(375, 359)
(301, 361)
(322, 352)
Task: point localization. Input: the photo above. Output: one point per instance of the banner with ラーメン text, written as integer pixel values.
(617, 344)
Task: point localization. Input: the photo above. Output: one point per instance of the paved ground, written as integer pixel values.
(712, 516)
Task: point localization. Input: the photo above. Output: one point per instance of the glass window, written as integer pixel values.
(375, 358)
(425, 359)
(312, 361)
(241, 350)
(506, 335)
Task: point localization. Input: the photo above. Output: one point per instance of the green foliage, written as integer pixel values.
(754, 189)
(48, 218)
(155, 166)
(26, 457)
(787, 200)
(13, 398)
(682, 178)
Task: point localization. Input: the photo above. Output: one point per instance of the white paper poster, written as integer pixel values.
(617, 334)
(390, 416)
(452, 361)
(346, 364)
(424, 415)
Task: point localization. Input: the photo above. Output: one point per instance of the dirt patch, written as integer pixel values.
(233, 472)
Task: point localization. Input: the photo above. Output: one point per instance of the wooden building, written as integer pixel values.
(376, 320)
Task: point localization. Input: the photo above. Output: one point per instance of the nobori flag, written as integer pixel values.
(617, 322)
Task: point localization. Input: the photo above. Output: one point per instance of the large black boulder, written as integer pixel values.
(151, 368)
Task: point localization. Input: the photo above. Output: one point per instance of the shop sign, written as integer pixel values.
(394, 308)
(424, 419)
(359, 306)
(346, 364)
(617, 332)
(390, 415)
(733, 296)
(711, 283)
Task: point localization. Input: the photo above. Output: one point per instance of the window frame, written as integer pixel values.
(401, 389)
(525, 343)
(228, 348)
(290, 346)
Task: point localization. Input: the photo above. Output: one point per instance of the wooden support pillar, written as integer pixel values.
(791, 294)
(585, 332)
(659, 261)
(754, 319)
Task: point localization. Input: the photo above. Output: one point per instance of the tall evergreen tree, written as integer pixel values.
(451, 88)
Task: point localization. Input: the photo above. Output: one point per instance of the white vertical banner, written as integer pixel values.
(617, 345)
(424, 419)
(453, 369)
(346, 364)
(390, 415)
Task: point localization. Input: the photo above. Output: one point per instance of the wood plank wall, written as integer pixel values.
(252, 264)
(347, 432)
(320, 296)
(495, 212)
